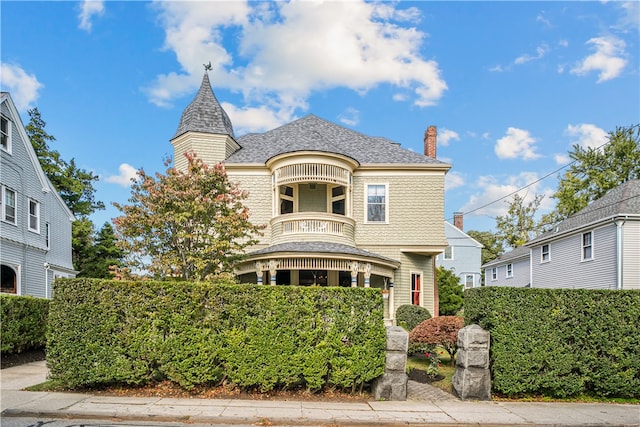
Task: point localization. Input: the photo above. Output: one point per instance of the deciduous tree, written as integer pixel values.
(441, 331)
(519, 225)
(595, 171)
(187, 224)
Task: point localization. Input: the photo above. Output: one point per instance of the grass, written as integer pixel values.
(445, 369)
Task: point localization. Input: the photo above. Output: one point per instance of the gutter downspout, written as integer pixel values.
(46, 279)
(619, 250)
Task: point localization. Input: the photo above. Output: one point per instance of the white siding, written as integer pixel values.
(520, 277)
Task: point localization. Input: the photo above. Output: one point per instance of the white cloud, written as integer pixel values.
(126, 174)
(630, 19)
(286, 51)
(453, 180)
(23, 87)
(562, 159)
(350, 117)
(517, 143)
(497, 69)
(540, 53)
(608, 58)
(587, 135)
(251, 120)
(445, 136)
(89, 9)
(491, 189)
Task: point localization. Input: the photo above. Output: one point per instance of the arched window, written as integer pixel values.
(8, 279)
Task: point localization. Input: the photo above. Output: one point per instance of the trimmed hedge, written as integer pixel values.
(409, 316)
(23, 322)
(560, 342)
(255, 336)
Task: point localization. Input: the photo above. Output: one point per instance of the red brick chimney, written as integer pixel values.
(430, 136)
(457, 220)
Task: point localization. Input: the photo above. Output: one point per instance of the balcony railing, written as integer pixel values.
(312, 226)
(315, 172)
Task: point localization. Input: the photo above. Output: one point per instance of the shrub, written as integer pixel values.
(439, 331)
(560, 342)
(23, 322)
(254, 336)
(409, 316)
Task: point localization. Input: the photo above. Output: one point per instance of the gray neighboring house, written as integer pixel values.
(596, 248)
(35, 223)
(509, 269)
(463, 254)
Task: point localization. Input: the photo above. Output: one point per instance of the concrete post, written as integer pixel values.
(472, 379)
(392, 385)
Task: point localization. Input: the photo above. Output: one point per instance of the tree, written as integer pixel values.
(450, 292)
(595, 171)
(102, 252)
(191, 225)
(519, 226)
(441, 331)
(74, 185)
(492, 247)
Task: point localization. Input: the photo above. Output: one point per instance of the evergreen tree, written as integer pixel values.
(450, 292)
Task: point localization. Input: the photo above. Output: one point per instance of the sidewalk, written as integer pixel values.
(426, 406)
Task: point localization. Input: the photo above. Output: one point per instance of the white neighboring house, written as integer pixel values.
(35, 223)
(596, 248)
(463, 254)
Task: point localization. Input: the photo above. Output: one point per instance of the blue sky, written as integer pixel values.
(511, 86)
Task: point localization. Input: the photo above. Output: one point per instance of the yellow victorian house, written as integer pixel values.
(341, 208)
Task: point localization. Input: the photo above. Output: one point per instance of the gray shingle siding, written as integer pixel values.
(467, 255)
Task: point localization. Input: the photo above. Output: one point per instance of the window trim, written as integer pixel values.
(543, 253)
(8, 149)
(420, 291)
(4, 205)
(386, 203)
(584, 247)
(36, 216)
(47, 235)
(509, 270)
(494, 274)
(473, 281)
(444, 253)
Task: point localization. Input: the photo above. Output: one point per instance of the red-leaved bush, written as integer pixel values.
(441, 331)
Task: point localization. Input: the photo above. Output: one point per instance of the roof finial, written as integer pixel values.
(208, 67)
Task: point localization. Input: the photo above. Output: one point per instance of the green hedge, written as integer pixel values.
(560, 342)
(254, 336)
(409, 316)
(23, 323)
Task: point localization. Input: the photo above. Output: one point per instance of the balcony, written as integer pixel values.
(312, 227)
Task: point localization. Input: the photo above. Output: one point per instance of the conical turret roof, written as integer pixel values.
(205, 114)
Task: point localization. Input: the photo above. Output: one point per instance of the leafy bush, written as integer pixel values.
(409, 316)
(450, 292)
(439, 331)
(254, 336)
(560, 342)
(23, 322)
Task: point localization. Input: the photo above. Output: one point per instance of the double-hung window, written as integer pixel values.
(448, 253)
(509, 270)
(8, 205)
(468, 281)
(587, 245)
(416, 288)
(377, 203)
(34, 216)
(545, 254)
(494, 273)
(5, 134)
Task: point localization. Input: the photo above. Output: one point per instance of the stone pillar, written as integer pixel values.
(392, 385)
(472, 379)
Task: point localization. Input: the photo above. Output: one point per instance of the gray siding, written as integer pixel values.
(631, 257)
(520, 277)
(467, 255)
(23, 249)
(566, 269)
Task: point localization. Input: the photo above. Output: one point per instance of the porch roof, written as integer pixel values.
(321, 247)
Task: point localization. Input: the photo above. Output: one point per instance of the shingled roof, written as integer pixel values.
(205, 114)
(620, 201)
(312, 133)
